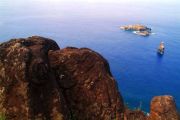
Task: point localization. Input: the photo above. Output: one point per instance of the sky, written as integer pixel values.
(115, 1)
(122, 2)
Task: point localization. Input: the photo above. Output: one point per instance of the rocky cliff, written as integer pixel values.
(40, 81)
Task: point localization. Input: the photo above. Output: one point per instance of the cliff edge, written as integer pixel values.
(40, 81)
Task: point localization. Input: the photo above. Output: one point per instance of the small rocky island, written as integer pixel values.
(137, 29)
(41, 81)
(161, 48)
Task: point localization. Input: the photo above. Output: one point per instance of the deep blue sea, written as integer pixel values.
(139, 71)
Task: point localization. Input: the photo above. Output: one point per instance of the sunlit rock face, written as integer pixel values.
(137, 29)
(163, 108)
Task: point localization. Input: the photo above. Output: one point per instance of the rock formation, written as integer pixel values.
(134, 115)
(87, 83)
(161, 48)
(137, 29)
(28, 88)
(163, 108)
(38, 81)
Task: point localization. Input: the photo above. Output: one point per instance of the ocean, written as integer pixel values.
(139, 71)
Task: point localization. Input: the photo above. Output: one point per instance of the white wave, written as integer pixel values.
(135, 32)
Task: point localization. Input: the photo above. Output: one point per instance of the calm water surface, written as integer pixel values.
(140, 72)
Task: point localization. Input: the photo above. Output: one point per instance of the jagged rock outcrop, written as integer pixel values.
(88, 86)
(38, 81)
(163, 108)
(137, 29)
(28, 89)
(81, 87)
(134, 115)
(161, 49)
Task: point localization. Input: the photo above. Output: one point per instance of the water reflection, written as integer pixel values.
(159, 57)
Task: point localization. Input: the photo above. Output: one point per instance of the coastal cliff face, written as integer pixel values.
(163, 108)
(28, 89)
(87, 84)
(40, 81)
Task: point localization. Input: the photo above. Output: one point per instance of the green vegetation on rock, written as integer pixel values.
(2, 117)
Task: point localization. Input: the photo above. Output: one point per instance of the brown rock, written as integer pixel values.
(40, 82)
(28, 89)
(163, 108)
(88, 86)
(138, 29)
(134, 115)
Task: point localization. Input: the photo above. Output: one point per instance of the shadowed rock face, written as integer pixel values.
(88, 86)
(77, 81)
(28, 87)
(134, 115)
(38, 81)
(163, 108)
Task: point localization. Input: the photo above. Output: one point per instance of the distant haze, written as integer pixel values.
(115, 1)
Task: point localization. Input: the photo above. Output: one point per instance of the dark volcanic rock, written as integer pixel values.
(28, 89)
(88, 86)
(134, 115)
(77, 84)
(163, 108)
(38, 81)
